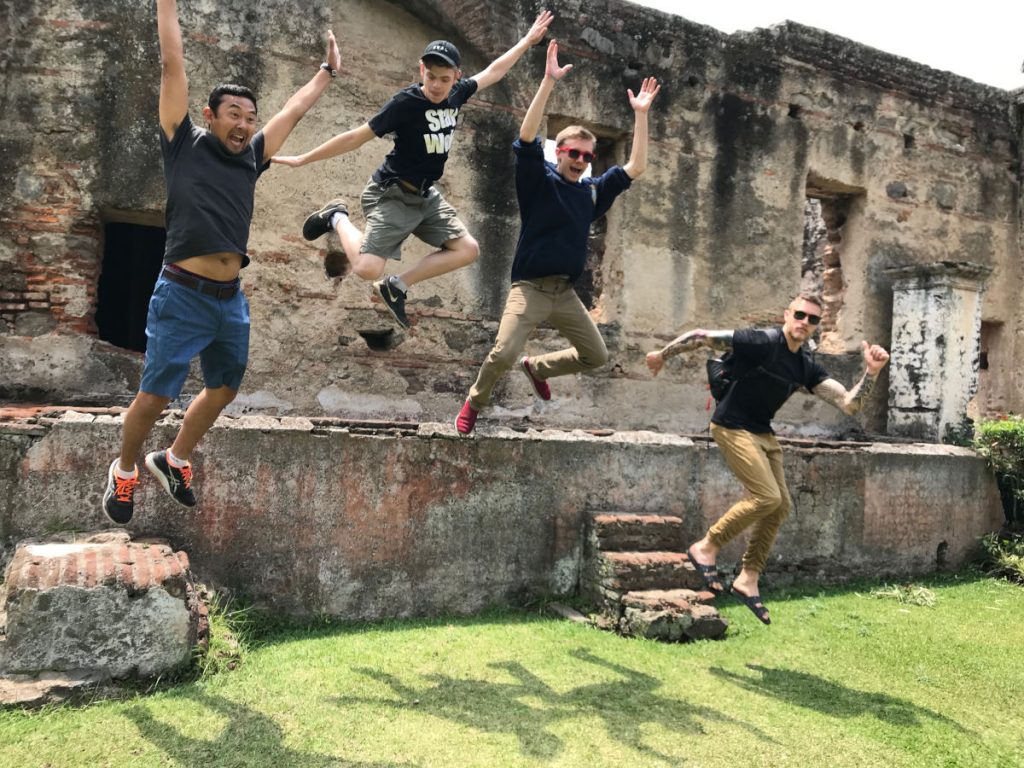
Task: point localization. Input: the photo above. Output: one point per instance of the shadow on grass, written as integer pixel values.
(250, 738)
(802, 689)
(626, 706)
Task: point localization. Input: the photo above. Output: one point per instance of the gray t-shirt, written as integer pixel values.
(209, 193)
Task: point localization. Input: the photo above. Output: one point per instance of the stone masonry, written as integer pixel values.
(103, 605)
(915, 166)
(365, 521)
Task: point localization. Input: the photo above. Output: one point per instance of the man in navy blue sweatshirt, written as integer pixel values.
(556, 208)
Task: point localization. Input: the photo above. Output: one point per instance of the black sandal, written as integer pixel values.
(753, 602)
(709, 573)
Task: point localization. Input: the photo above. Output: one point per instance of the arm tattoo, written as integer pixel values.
(848, 401)
(719, 341)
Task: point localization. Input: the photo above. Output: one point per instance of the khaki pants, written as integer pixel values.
(530, 303)
(756, 460)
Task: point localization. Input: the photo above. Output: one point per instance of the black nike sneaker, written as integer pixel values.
(177, 482)
(318, 223)
(394, 299)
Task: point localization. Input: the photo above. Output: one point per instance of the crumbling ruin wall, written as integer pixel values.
(746, 128)
(316, 516)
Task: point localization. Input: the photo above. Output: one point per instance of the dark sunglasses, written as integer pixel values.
(799, 314)
(576, 154)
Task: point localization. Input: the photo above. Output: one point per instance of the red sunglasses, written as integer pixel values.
(576, 154)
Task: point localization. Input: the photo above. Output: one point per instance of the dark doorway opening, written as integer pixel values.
(132, 257)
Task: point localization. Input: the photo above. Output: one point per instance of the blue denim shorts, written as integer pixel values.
(183, 323)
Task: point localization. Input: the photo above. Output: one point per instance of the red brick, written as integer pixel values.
(89, 569)
(183, 559)
(158, 570)
(143, 573)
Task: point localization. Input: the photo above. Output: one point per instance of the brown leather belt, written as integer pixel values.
(408, 186)
(217, 290)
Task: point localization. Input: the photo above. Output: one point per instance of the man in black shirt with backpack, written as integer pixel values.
(764, 367)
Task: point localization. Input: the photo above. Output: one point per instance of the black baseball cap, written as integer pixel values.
(443, 50)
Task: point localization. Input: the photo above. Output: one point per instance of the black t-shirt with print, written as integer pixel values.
(422, 132)
(755, 397)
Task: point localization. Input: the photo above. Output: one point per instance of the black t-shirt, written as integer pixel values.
(755, 397)
(422, 131)
(210, 193)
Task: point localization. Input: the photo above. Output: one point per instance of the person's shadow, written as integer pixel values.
(528, 707)
(249, 738)
(809, 691)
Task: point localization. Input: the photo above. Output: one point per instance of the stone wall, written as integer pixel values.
(926, 165)
(363, 522)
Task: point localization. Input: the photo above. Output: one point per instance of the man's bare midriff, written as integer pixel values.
(213, 266)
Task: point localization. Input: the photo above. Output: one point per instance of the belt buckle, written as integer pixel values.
(225, 292)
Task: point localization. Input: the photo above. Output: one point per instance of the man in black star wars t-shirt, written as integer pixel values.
(769, 366)
(400, 200)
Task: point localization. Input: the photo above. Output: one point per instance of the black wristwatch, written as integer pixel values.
(328, 69)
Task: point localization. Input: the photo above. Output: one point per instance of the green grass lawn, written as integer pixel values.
(840, 679)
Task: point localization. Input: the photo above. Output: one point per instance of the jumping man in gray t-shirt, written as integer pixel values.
(197, 307)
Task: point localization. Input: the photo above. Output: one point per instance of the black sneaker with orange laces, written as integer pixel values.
(177, 482)
(119, 497)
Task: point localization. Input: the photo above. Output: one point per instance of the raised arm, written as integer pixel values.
(173, 82)
(720, 341)
(852, 400)
(552, 74)
(640, 103)
(339, 145)
(498, 68)
(283, 123)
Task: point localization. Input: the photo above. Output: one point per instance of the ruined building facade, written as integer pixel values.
(777, 156)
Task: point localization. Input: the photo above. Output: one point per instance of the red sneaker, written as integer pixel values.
(466, 419)
(539, 385)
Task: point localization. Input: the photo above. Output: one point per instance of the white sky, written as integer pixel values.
(982, 40)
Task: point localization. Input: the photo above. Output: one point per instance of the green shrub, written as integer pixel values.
(1001, 442)
(1004, 556)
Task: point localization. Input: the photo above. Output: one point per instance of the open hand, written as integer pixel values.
(552, 69)
(641, 102)
(333, 54)
(655, 361)
(540, 27)
(875, 357)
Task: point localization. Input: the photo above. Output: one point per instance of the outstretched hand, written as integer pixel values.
(655, 361)
(875, 357)
(333, 54)
(539, 28)
(551, 69)
(641, 102)
(292, 161)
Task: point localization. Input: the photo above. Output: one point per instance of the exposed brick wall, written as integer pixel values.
(135, 565)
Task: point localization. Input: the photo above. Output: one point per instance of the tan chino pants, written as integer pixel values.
(756, 460)
(530, 303)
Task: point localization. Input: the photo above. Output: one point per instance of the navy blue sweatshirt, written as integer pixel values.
(556, 214)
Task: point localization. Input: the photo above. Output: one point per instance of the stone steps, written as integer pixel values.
(639, 577)
(632, 571)
(625, 532)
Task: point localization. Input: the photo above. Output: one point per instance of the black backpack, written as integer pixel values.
(722, 373)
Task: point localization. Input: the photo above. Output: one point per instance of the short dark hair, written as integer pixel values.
(810, 296)
(229, 89)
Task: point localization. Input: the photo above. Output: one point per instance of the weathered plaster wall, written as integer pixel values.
(399, 522)
(745, 128)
